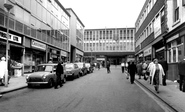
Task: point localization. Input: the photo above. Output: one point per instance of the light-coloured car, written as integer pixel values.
(72, 70)
(45, 74)
(90, 68)
(83, 68)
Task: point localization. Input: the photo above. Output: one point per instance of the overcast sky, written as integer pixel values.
(106, 13)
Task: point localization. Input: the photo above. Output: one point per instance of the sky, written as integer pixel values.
(96, 14)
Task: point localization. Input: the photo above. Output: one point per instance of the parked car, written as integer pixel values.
(90, 68)
(45, 74)
(83, 68)
(72, 70)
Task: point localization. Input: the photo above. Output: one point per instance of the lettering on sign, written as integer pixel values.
(39, 45)
(12, 38)
(148, 51)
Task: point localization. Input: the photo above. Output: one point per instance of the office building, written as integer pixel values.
(39, 32)
(76, 37)
(114, 44)
(150, 29)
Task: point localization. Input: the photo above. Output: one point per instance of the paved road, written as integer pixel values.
(96, 92)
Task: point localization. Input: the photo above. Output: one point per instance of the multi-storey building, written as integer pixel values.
(150, 28)
(175, 38)
(76, 37)
(39, 31)
(114, 44)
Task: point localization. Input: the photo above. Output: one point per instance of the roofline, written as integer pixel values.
(146, 2)
(76, 16)
(62, 7)
(112, 28)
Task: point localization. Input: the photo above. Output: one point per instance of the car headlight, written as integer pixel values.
(27, 76)
(44, 76)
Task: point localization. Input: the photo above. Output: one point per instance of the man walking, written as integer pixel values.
(122, 66)
(59, 71)
(133, 70)
(108, 66)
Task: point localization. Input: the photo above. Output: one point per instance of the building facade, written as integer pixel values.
(39, 32)
(76, 37)
(114, 44)
(175, 37)
(150, 29)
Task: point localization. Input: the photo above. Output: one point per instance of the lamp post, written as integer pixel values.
(8, 8)
(91, 55)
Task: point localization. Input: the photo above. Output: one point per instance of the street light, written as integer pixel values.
(8, 8)
(91, 55)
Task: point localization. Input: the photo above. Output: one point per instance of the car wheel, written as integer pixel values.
(50, 83)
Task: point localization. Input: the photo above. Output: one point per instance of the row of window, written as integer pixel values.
(153, 26)
(129, 46)
(41, 20)
(145, 12)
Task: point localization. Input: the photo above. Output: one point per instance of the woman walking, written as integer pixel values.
(157, 74)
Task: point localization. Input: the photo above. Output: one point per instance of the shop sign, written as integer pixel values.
(12, 38)
(148, 51)
(79, 52)
(63, 53)
(173, 38)
(39, 45)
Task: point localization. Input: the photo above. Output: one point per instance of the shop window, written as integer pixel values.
(175, 51)
(19, 26)
(2, 19)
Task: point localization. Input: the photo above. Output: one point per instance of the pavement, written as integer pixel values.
(169, 93)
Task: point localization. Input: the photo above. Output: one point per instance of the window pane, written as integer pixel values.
(19, 13)
(174, 54)
(1, 19)
(26, 17)
(33, 8)
(39, 11)
(27, 4)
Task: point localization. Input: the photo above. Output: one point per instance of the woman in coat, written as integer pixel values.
(157, 74)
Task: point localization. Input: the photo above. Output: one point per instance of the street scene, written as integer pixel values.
(95, 92)
(92, 56)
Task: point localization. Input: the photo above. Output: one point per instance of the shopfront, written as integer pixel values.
(53, 54)
(35, 53)
(141, 57)
(64, 56)
(79, 55)
(148, 54)
(15, 47)
(175, 50)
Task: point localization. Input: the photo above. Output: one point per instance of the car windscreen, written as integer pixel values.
(69, 66)
(80, 65)
(46, 68)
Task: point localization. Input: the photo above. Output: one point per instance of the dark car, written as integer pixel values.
(45, 74)
(83, 68)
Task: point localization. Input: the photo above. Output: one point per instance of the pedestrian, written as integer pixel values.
(3, 68)
(59, 72)
(108, 66)
(149, 70)
(122, 67)
(181, 68)
(165, 67)
(157, 73)
(126, 65)
(132, 71)
(144, 69)
(139, 69)
(98, 65)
